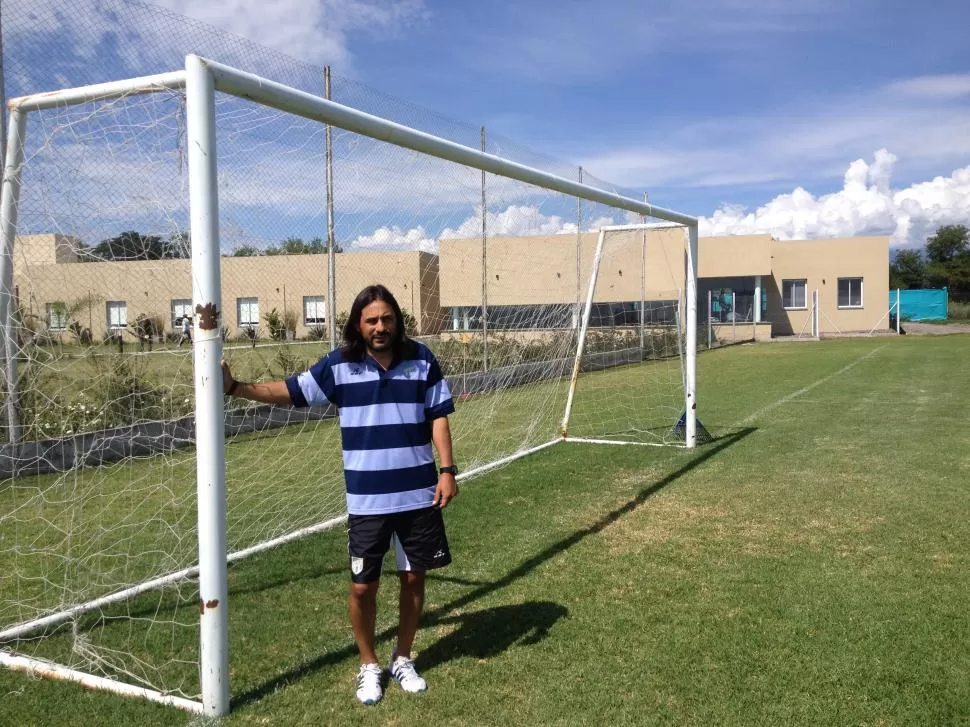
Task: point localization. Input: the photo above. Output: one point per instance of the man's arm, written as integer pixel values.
(447, 487)
(272, 392)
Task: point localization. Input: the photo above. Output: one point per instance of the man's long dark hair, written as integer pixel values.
(354, 344)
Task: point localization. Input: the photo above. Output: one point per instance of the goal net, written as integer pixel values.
(559, 310)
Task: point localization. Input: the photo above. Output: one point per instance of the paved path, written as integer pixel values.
(913, 328)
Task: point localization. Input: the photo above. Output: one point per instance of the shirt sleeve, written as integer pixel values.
(314, 387)
(437, 399)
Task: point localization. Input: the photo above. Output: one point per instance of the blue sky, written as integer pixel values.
(804, 118)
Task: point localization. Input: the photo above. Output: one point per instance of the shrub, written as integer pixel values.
(81, 335)
(287, 364)
(275, 324)
(410, 324)
(149, 327)
(289, 322)
(341, 321)
(958, 311)
(248, 334)
(127, 392)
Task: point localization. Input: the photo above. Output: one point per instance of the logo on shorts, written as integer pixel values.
(439, 555)
(356, 566)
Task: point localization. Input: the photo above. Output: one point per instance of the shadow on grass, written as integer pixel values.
(438, 576)
(487, 633)
(490, 624)
(704, 454)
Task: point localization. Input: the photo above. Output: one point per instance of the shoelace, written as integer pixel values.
(364, 673)
(404, 669)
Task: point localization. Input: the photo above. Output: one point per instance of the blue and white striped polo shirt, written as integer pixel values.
(385, 425)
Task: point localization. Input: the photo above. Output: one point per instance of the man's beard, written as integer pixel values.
(382, 345)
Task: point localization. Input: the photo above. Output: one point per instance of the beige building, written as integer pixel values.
(848, 278)
(749, 280)
(54, 289)
(753, 280)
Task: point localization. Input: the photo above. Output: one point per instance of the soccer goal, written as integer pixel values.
(560, 310)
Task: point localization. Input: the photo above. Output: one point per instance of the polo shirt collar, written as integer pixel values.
(395, 362)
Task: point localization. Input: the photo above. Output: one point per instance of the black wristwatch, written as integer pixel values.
(449, 470)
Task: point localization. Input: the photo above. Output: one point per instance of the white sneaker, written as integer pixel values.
(404, 673)
(369, 689)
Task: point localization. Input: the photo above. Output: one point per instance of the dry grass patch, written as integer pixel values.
(665, 520)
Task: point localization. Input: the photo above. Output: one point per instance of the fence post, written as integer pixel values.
(899, 311)
(331, 312)
(734, 317)
(484, 267)
(710, 327)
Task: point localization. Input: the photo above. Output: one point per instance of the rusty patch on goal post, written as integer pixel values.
(208, 316)
(210, 604)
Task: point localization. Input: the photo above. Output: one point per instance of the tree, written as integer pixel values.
(948, 252)
(297, 246)
(907, 270)
(949, 243)
(410, 325)
(133, 245)
(247, 251)
(180, 244)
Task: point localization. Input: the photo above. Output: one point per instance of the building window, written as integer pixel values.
(180, 308)
(850, 292)
(560, 317)
(314, 310)
(56, 316)
(117, 314)
(247, 310)
(793, 294)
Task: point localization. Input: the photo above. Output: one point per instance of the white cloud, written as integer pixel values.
(103, 40)
(944, 86)
(866, 204)
(312, 30)
(514, 220)
(395, 238)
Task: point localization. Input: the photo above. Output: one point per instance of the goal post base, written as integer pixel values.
(679, 431)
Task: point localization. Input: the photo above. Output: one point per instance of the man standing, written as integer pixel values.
(185, 330)
(393, 403)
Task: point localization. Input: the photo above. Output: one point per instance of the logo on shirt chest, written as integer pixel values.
(410, 370)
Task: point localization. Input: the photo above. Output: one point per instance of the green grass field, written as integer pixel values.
(810, 566)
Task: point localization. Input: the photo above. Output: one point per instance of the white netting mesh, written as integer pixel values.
(99, 491)
(101, 346)
(632, 387)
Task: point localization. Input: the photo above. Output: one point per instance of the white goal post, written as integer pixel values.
(200, 82)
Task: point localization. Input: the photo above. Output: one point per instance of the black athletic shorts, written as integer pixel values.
(419, 539)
